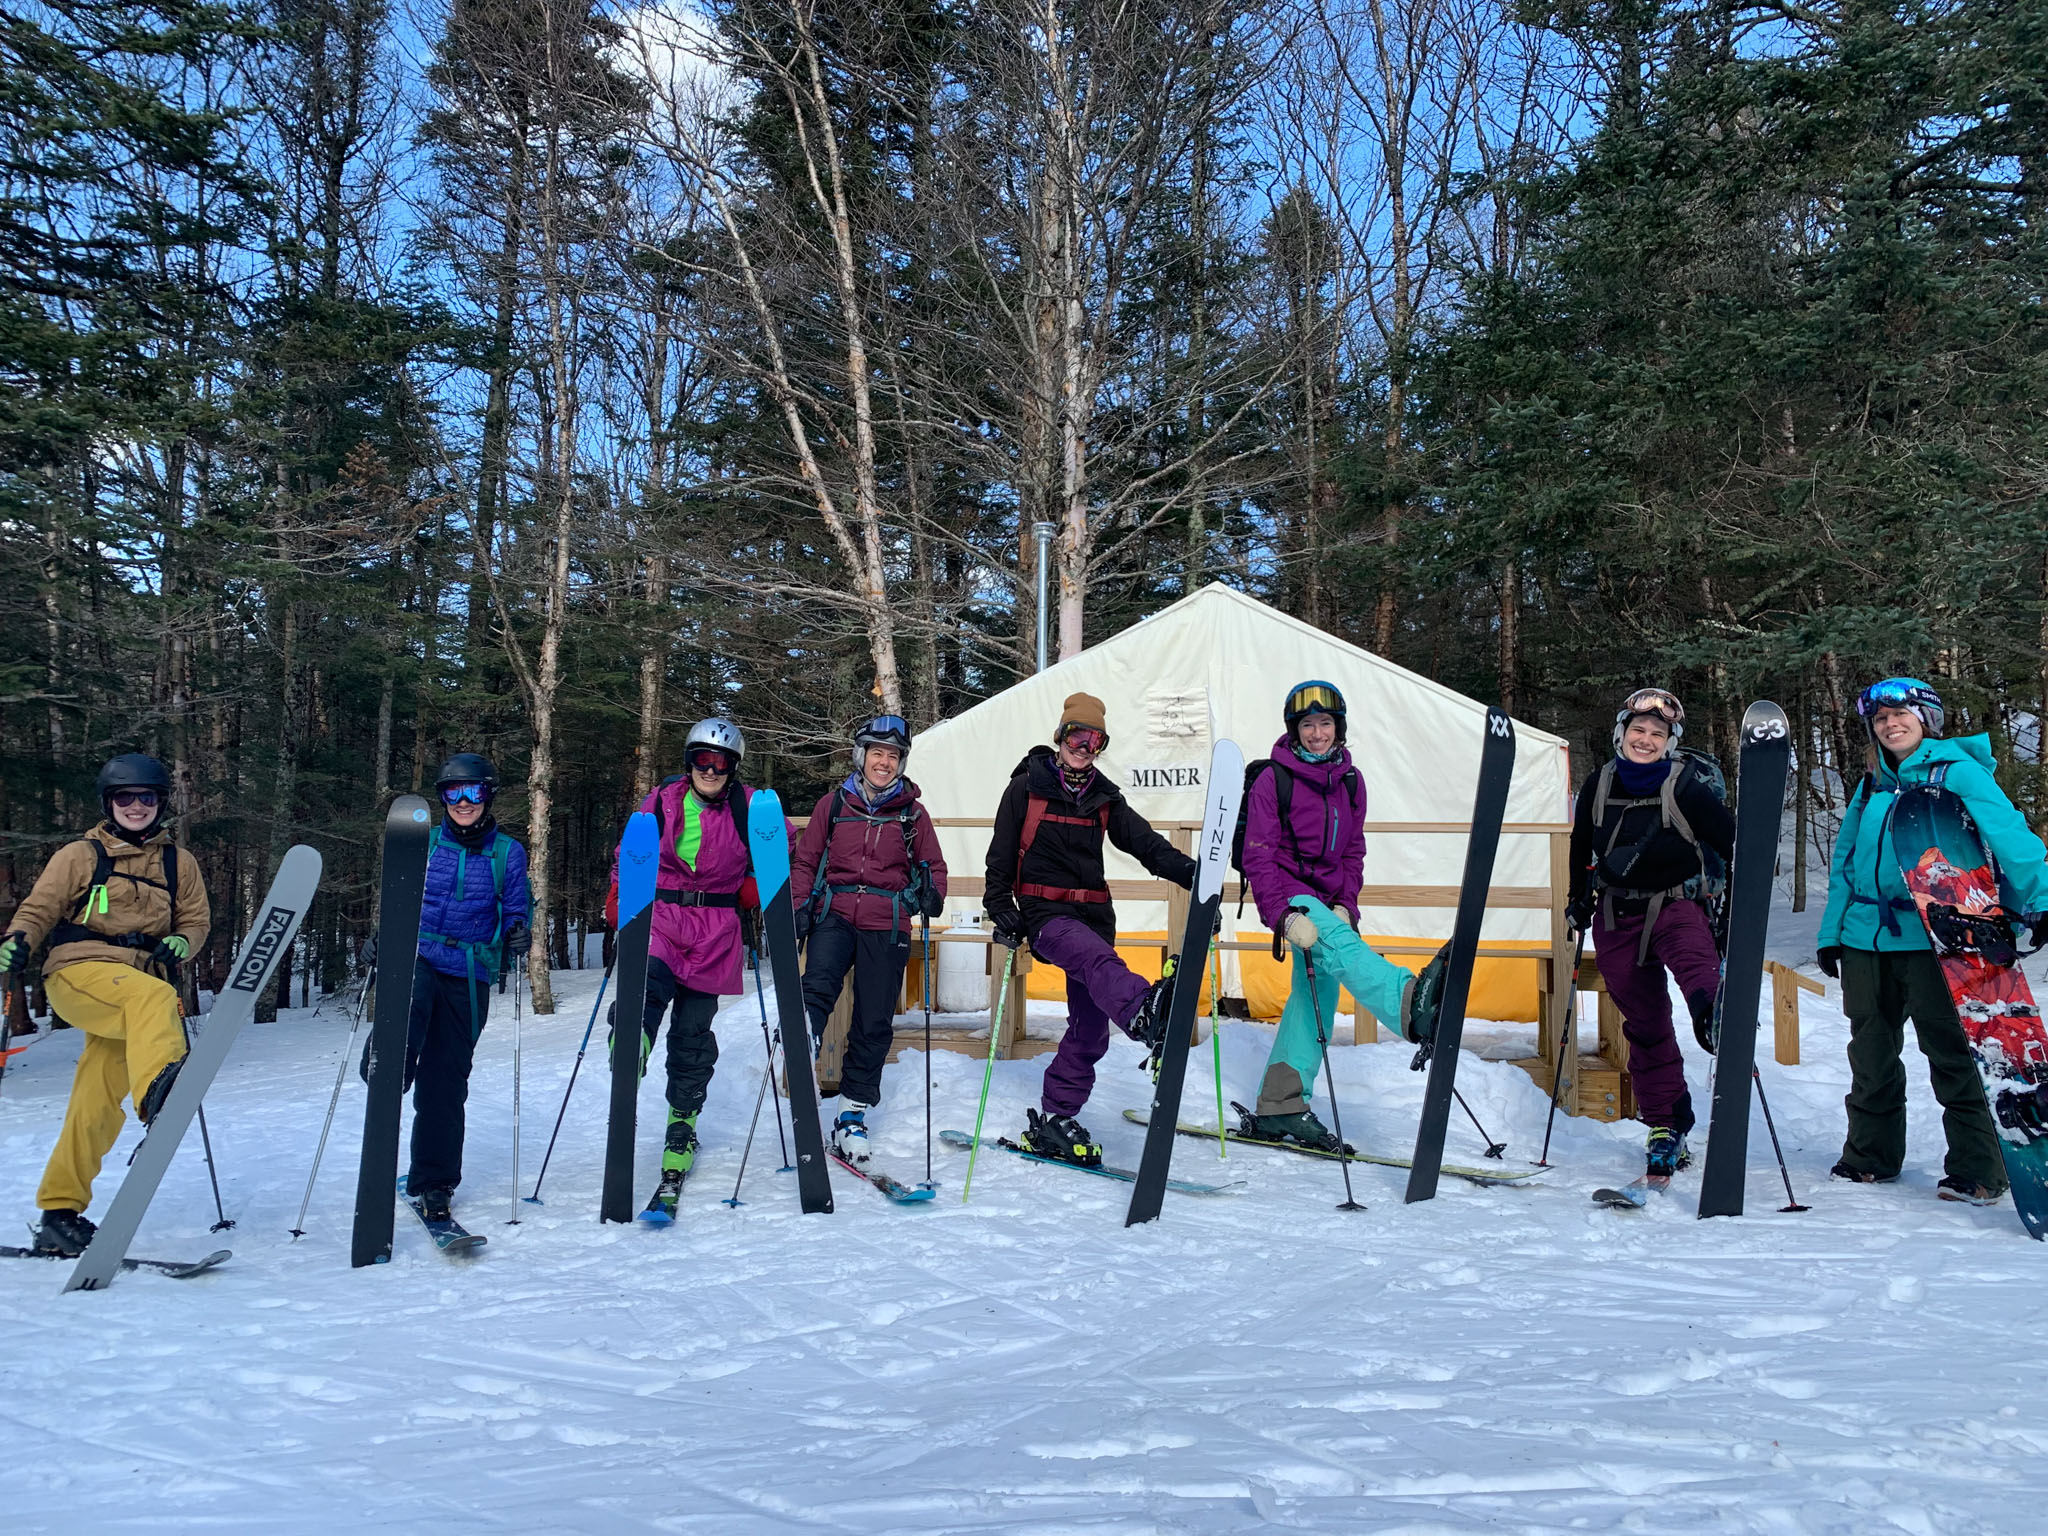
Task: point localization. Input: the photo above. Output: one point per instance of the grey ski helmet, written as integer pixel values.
(134, 770)
(720, 733)
(882, 731)
(468, 768)
(1660, 702)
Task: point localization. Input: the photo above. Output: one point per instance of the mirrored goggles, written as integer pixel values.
(147, 798)
(1895, 693)
(710, 760)
(1315, 696)
(1084, 738)
(464, 794)
(1654, 701)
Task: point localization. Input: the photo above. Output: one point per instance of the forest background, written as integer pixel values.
(538, 376)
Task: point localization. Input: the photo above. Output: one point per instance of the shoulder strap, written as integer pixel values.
(739, 816)
(1035, 807)
(1667, 795)
(102, 872)
(1936, 772)
(1601, 787)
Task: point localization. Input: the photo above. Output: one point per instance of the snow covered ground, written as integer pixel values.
(1498, 1359)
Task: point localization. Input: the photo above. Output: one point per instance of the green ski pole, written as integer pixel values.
(1216, 1045)
(995, 1033)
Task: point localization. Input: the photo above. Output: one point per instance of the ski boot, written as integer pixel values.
(65, 1233)
(151, 1104)
(1850, 1175)
(1060, 1137)
(1665, 1153)
(1301, 1127)
(1420, 1000)
(850, 1135)
(1148, 1025)
(1967, 1193)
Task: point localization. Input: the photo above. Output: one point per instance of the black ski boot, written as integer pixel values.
(434, 1204)
(151, 1104)
(1061, 1137)
(1148, 1025)
(65, 1233)
(1302, 1127)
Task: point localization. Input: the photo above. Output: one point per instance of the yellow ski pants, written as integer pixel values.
(132, 1032)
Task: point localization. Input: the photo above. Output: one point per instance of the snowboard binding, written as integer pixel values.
(1986, 936)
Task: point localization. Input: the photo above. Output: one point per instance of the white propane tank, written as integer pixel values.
(963, 979)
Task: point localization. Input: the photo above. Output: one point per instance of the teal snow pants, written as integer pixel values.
(1342, 959)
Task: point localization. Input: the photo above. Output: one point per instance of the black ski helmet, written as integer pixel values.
(468, 768)
(133, 770)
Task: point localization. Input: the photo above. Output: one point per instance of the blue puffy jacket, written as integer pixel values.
(464, 916)
(1864, 883)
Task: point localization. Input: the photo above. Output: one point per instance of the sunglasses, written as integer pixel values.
(709, 761)
(1084, 738)
(461, 794)
(147, 798)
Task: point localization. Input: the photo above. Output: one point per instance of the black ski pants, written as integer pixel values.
(877, 958)
(1880, 990)
(448, 1017)
(692, 1047)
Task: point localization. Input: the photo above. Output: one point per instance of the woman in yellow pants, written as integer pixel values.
(121, 909)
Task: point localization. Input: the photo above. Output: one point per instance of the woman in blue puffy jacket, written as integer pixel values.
(473, 922)
(1872, 940)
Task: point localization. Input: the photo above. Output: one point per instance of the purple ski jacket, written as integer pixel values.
(1322, 850)
(701, 850)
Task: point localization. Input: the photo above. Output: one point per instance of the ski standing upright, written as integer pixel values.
(1765, 761)
(1440, 1049)
(408, 832)
(639, 854)
(767, 832)
(1224, 786)
(270, 937)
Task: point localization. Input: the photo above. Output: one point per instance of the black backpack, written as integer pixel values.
(1283, 795)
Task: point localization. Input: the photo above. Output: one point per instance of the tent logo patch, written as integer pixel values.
(1177, 776)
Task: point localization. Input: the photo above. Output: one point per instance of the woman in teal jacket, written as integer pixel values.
(1872, 940)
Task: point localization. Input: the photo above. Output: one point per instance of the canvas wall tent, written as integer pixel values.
(1219, 663)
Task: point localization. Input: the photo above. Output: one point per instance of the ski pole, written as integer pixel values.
(995, 1033)
(1493, 1148)
(1792, 1200)
(1216, 1045)
(518, 976)
(747, 1151)
(205, 1140)
(577, 1066)
(929, 1182)
(1565, 1038)
(769, 1045)
(334, 1099)
(1315, 1004)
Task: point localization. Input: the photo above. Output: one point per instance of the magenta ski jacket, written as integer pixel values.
(1321, 851)
(702, 852)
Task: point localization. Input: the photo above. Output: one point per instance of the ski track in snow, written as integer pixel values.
(1497, 1359)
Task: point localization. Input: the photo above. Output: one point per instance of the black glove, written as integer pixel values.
(804, 924)
(370, 953)
(1579, 915)
(1007, 929)
(1831, 961)
(170, 953)
(518, 938)
(1703, 1023)
(2037, 930)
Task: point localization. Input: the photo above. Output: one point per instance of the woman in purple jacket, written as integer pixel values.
(869, 861)
(1304, 857)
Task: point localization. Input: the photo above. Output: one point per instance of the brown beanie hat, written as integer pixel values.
(1082, 709)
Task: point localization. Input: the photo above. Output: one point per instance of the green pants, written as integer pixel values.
(1880, 989)
(1342, 959)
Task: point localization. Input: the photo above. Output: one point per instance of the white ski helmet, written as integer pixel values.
(1659, 702)
(719, 733)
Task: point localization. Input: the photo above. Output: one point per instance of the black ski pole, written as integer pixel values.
(1566, 1037)
(1493, 1148)
(747, 1151)
(928, 1181)
(762, 997)
(1791, 1199)
(1330, 1084)
(534, 1198)
(334, 1099)
(205, 1140)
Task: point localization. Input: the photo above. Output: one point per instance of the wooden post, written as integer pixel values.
(1365, 1028)
(1014, 1004)
(1786, 985)
(1177, 900)
(1560, 1003)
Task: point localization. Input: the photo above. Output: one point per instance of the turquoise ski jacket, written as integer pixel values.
(1864, 884)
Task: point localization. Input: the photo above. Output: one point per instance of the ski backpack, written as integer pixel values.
(1283, 796)
(72, 930)
(919, 896)
(1710, 885)
(1038, 809)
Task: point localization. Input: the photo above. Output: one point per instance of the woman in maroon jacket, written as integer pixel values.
(870, 861)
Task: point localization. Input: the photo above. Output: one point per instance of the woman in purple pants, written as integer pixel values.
(1636, 837)
(1046, 883)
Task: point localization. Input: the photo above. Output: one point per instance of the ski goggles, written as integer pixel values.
(1310, 697)
(1084, 738)
(147, 798)
(464, 794)
(710, 760)
(1896, 693)
(1654, 701)
(887, 725)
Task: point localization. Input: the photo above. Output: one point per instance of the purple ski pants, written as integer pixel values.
(1683, 944)
(1101, 990)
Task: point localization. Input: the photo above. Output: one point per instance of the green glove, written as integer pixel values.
(178, 945)
(14, 951)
